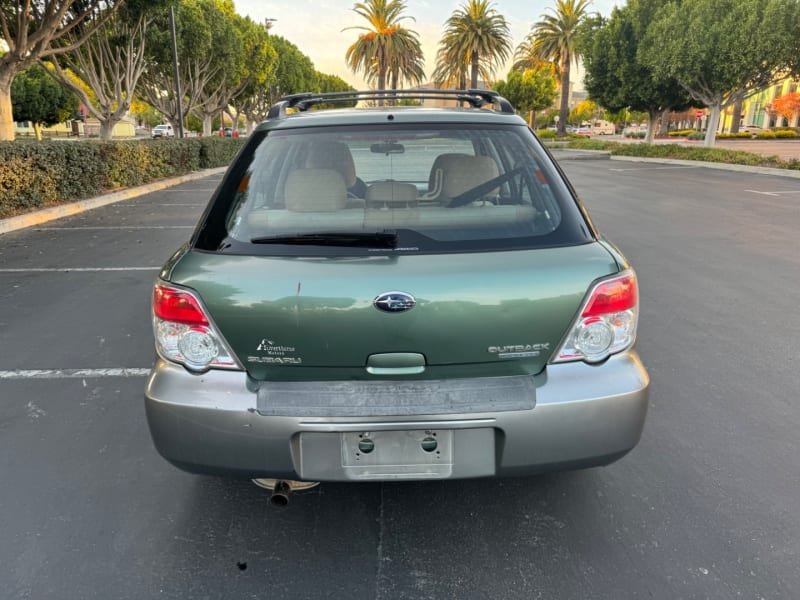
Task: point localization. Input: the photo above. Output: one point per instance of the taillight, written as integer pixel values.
(607, 323)
(177, 306)
(183, 331)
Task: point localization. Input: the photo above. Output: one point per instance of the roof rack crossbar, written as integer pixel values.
(476, 98)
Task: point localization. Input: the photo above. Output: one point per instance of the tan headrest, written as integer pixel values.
(442, 163)
(464, 173)
(391, 193)
(333, 155)
(315, 190)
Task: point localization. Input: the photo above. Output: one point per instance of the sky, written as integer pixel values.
(315, 26)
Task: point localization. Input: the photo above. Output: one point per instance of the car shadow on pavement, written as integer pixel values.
(449, 533)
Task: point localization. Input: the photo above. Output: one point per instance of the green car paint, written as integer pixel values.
(314, 319)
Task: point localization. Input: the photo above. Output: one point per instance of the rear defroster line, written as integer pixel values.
(73, 373)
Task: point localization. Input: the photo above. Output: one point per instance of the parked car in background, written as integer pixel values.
(163, 131)
(753, 129)
(584, 130)
(228, 132)
(600, 127)
(394, 293)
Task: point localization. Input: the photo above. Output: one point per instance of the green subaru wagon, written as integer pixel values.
(384, 293)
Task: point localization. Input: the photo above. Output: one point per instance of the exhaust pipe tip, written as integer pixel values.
(280, 493)
(282, 488)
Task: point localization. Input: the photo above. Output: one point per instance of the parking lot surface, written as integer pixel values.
(704, 507)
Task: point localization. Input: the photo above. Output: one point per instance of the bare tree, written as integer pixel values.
(37, 29)
(110, 63)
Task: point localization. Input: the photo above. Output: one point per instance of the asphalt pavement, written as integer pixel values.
(705, 507)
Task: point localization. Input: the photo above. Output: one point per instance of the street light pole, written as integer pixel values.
(178, 94)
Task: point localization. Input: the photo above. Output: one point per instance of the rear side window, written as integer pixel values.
(423, 189)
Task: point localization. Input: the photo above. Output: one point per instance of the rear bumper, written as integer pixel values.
(583, 416)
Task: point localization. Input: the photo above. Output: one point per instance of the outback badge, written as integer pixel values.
(394, 302)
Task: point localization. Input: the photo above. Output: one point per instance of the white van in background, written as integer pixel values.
(602, 128)
(163, 131)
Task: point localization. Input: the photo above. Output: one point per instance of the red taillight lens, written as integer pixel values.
(177, 306)
(607, 324)
(613, 296)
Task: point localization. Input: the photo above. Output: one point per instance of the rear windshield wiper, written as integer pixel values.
(385, 239)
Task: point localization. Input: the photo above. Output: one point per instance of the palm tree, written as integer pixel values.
(554, 38)
(407, 65)
(451, 68)
(475, 35)
(386, 47)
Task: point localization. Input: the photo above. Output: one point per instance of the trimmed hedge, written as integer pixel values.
(39, 174)
(741, 135)
(720, 155)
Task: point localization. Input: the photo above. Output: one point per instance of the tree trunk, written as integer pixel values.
(107, 129)
(737, 115)
(207, 122)
(381, 84)
(651, 126)
(712, 125)
(663, 129)
(6, 116)
(473, 78)
(563, 112)
(37, 131)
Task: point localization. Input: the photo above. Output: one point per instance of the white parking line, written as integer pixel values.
(161, 204)
(774, 193)
(115, 227)
(72, 373)
(656, 168)
(76, 269)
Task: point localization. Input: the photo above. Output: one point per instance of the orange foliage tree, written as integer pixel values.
(786, 105)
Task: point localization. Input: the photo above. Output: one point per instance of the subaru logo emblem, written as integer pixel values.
(394, 302)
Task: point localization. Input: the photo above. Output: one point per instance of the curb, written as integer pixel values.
(712, 165)
(567, 154)
(57, 212)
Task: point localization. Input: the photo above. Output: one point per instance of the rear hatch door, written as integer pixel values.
(494, 313)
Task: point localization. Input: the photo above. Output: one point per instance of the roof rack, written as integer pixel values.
(475, 98)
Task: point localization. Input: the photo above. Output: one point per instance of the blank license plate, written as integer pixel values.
(418, 454)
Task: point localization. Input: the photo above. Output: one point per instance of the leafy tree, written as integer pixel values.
(34, 31)
(292, 73)
(584, 111)
(333, 83)
(615, 75)
(244, 59)
(475, 35)
(38, 98)
(529, 91)
(144, 113)
(556, 38)
(385, 45)
(787, 105)
(196, 60)
(723, 50)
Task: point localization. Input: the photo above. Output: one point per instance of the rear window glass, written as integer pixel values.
(394, 188)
